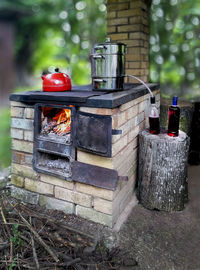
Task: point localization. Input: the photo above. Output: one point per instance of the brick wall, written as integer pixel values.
(128, 22)
(93, 203)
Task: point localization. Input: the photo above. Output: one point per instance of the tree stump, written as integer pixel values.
(162, 182)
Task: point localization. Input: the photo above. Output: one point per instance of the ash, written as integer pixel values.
(65, 139)
(59, 165)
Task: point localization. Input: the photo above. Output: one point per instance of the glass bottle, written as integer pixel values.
(154, 123)
(173, 118)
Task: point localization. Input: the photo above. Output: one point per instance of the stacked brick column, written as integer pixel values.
(128, 22)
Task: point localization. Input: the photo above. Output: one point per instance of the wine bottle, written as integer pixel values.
(173, 118)
(154, 123)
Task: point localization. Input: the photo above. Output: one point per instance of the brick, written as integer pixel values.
(127, 168)
(18, 157)
(72, 196)
(94, 159)
(28, 159)
(135, 43)
(24, 195)
(24, 171)
(134, 57)
(129, 13)
(130, 28)
(139, 118)
(112, 2)
(16, 133)
(95, 216)
(144, 65)
(136, 35)
(111, 29)
(17, 180)
(111, 14)
(28, 135)
(101, 111)
(103, 206)
(135, 50)
(144, 51)
(141, 106)
(17, 112)
(119, 119)
(127, 105)
(127, 188)
(119, 36)
(118, 21)
(52, 203)
(116, 147)
(22, 123)
(136, 72)
(115, 138)
(56, 181)
(23, 146)
(19, 104)
(95, 191)
(138, 4)
(135, 19)
(132, 112)
(127, 155)
(39, 187)
(116, 7)
(146, 44)
(29, 113)
(130, 124)
(133, 134)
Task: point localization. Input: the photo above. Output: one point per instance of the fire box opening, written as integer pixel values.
(56, 124)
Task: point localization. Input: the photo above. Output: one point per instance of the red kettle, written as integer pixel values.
(56, 82)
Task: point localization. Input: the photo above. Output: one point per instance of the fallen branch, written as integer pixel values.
(35, 254)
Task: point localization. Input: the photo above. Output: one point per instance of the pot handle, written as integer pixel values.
(98, 56)
(99, 80)
(99, 47)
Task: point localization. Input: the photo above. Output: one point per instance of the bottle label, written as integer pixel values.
(153, 113)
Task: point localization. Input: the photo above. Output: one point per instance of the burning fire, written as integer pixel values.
(63, 122)
(57, 121)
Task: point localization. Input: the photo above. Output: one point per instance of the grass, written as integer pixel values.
(5, 140)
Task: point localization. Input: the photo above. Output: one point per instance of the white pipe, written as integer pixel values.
(132, 76)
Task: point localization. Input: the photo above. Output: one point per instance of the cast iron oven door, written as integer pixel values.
(93, 133)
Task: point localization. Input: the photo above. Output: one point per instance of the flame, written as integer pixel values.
(63, 122)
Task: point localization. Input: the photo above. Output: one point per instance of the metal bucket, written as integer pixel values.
(108, 66)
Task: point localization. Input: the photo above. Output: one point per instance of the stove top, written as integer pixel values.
(85, 96)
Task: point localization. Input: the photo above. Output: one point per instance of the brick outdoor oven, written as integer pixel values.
(90, 172)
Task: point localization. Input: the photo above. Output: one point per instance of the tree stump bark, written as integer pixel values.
(162, 182)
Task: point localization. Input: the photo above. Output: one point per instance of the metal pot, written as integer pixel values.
(108, 66)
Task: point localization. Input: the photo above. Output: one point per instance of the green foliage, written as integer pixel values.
(13, 263)
(5, 140)
(174, 50)
(58, 34)
(15, 239)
